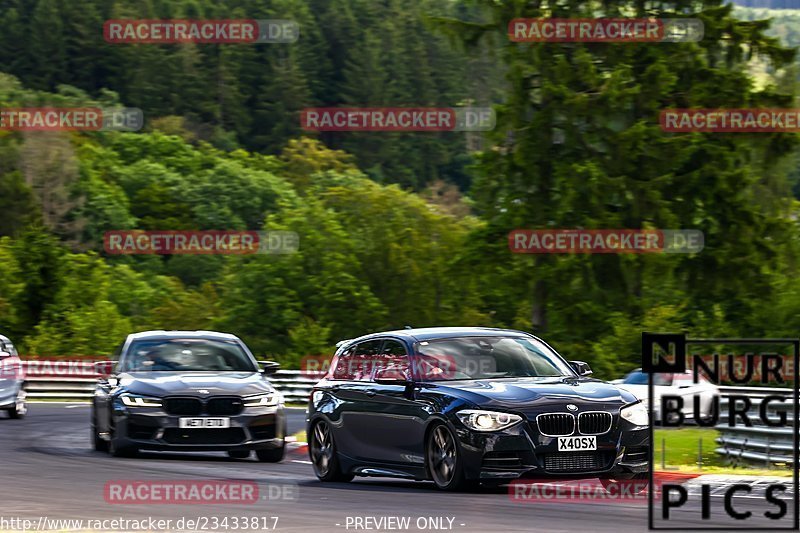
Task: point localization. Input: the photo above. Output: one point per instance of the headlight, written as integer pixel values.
(636, 414)
(487, 420)
(133, 400)
(264, 400)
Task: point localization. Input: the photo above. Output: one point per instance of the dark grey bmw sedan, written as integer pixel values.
(188, 391)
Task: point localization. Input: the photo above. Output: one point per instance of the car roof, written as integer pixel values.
(5, 339)
(175, 334)
(423, 334)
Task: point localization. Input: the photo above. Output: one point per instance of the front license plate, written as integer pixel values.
(220, 423)
(577, 444)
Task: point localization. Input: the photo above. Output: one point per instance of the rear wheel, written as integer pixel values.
(20, 408)
(443, 459)
(322, 450)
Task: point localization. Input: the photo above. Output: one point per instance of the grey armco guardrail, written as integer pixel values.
(759, 444)
(62, 380)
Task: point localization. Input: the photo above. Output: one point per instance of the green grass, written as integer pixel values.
(679, 449)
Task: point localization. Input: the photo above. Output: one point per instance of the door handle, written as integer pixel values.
(370, 393)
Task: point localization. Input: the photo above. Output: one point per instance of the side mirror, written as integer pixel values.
(391, 376)
(104, 368)
(581, 368)
(270, 368)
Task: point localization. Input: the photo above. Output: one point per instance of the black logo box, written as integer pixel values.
(673, 345)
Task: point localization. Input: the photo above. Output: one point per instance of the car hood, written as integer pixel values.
(191, 383)
(523, 393)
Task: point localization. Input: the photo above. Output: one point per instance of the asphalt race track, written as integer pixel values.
(48, 471)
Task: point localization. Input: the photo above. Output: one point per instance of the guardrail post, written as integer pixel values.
(700, 453)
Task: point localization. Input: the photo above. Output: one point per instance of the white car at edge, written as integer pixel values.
(682, 385)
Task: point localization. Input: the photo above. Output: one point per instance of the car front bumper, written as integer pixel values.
(152, 429)
(520, 451)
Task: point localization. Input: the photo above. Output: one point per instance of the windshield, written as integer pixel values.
(487, 358)
(640, 378)
(187, 355)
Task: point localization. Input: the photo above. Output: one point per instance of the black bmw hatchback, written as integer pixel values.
(460, 406)
(188, 391)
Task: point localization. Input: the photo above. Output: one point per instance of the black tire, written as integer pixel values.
(239, 454)
(322, 451)
(443, 460)
(626, 483)
(100, 445)
(116, 450)
(273, 455)
(20, 408)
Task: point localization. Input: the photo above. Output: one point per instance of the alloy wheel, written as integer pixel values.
(442, 456)
(322, 449)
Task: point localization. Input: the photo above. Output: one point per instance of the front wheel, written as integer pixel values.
(322, 451)
(20, 408)
(443, 459)
(117, 450)
(100, 444)
(274, 455)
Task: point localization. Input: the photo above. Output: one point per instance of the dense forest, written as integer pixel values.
(395, 228)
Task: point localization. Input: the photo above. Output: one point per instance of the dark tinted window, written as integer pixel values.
(487, 358)
(394, 348)
(393, 356)
(187, 355)
(358, 362)
(368, 349)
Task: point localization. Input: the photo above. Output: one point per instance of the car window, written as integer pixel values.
(357, 362)
(640, 378)
(487, 357)
(344, 364)
(8, 347)
(187, 355)
(393, 355)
